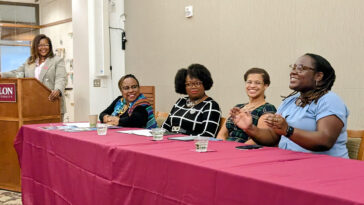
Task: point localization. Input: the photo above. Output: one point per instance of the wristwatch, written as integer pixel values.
(60, 92)
(289, 131)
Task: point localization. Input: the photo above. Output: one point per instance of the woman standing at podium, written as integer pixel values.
(44, 66)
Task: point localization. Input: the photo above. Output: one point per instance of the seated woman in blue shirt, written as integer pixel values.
(311, 119)
(131, 109)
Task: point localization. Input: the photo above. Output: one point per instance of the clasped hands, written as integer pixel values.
(243, 119)
(111, 120)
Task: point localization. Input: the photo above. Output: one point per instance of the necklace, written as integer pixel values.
(190, 103)
(252, 106)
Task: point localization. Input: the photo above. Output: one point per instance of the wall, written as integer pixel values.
(231, 36)
(86, 29)
(102, 15)
(81, 59)
(62, 37)
(117, 57)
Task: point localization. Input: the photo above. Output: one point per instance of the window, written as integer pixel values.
(13, 56)
(19, 23)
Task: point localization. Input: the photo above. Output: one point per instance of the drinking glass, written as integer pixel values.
(157, 133)
(201, 144)
(101, 129)
(92, 120)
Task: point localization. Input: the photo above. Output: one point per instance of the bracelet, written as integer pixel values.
(289, 131)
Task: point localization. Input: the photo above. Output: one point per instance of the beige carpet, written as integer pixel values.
(10, 198)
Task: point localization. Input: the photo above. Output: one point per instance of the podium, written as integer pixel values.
(22, 101)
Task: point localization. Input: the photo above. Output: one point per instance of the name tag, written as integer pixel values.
(175, 129)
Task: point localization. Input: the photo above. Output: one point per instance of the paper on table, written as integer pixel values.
(78, 124)
(183, 138)
(143, 132)
(86, 124)
(191, 138)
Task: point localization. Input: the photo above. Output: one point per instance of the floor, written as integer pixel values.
(10, 198)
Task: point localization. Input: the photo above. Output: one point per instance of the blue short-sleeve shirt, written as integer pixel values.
(306, 118)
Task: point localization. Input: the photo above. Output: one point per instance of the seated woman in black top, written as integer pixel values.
(196, 114)
(131, 109)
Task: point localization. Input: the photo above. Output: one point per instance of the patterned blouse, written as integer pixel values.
(237, 134)
(202, 119)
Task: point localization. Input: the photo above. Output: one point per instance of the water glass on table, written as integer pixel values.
(101, 129)
(157, 133)
(201, 143)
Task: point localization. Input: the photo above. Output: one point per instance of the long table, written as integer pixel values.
(60, 167)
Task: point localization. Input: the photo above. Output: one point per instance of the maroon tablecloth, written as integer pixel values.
(83, 168)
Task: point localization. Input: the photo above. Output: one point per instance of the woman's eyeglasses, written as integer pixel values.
(253, 82)
(43, 45)
(194, 84)
(133, 87)
(300, 68)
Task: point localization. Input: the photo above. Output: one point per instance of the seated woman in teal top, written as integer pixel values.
(256, 82)
(311, 119)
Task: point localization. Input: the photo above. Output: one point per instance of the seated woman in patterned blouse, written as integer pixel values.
(196, 114)
(256, 82)
(131, 109)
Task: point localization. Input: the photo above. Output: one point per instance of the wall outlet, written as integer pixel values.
(97, 82)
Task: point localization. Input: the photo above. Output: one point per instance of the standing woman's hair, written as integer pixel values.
(120, 83)
(320, 64)
(34, 48)
(194, 71)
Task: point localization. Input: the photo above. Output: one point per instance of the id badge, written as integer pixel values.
(175, 129)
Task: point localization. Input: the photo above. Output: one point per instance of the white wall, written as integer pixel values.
(61, 36)
(87, 58)
(117, 54)
(81, 59)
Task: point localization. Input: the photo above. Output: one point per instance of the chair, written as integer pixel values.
(149, 93)
(355, 144)
(160, 117)
(222, 123)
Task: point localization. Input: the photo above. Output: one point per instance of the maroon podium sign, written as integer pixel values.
(7, 92)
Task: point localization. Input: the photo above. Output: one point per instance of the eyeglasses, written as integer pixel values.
(43, 45)
(194, 84)
(133, 87)
(300, 68)
(249, 82)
